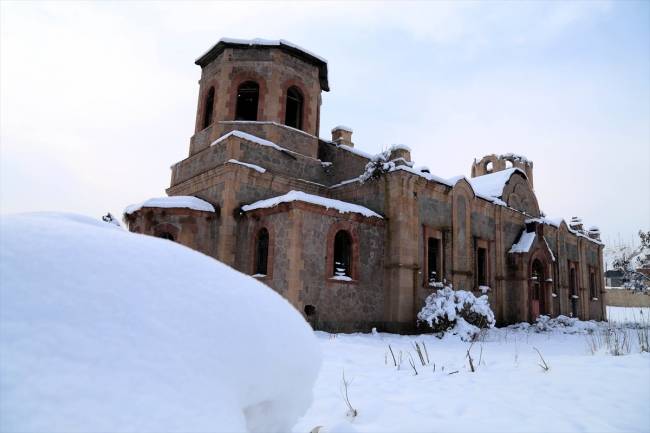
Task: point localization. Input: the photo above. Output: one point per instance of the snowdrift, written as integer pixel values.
(104, 330)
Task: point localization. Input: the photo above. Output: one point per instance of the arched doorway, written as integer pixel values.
(537, 290)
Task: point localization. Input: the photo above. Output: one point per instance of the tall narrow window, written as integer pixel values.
(481, 267)
(573, 291)
(342, 255)
(434, 271)
(293, 115)
(592, 285)
(537, 298)
(262, 252)
(247, 98)
(208, 109)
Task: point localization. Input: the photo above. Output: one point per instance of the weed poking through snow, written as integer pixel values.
(352, 412)
(542, 364)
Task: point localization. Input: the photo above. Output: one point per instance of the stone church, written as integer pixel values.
(352, 240)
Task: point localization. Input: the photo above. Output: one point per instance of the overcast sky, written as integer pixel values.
(99, 99)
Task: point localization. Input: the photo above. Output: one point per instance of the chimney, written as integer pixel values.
(342, 135)
(400, 152)
(576, 224)
(594, 233)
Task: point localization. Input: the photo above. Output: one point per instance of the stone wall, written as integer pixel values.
(627, 298)
(302, 242)
(195, 229)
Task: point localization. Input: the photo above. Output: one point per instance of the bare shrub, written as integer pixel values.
(352, 412)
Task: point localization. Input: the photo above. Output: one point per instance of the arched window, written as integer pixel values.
(262, 252)
(247, 97)
(508, 164)
(293, 115)
(342, 255)
(208, 109)
(489, 167)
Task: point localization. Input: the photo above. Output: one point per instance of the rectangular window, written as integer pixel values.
(481, 267)
(434, 262)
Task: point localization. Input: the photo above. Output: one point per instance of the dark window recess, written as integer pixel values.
(433, 262)
(573, 292)
(165, 235)
(342, 254)
(262, 252)
(592, 285)
(310, 310)
(247, 98)
(208, 109)
(293, 115)
(538, 280)
(573, 283)
(481, 267)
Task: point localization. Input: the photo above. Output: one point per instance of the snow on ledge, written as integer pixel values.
(246, 164)
(249, 137)
(342, 128)
(175, 201)
(291, 196)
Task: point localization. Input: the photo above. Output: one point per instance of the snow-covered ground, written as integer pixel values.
(508, 392)
(104, 330)
(628, 315)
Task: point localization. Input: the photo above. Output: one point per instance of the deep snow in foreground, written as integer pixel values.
(104, 330)
(509, 392)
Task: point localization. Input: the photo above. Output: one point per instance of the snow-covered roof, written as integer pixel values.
(556, 222)
(291, 196)
(355, 151)
(288, 46)
(399, 147)
(524, 243)
(492, 184)
(343, 128)
(175, 201)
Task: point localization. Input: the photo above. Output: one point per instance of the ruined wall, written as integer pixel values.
(195, 229)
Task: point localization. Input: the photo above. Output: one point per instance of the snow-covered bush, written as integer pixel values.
(109, 218)
(105, 330)
(564, 324)
(456, 311)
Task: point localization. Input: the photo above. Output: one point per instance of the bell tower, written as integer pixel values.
(257, 81)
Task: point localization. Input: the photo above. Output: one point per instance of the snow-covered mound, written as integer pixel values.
(105, 330)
